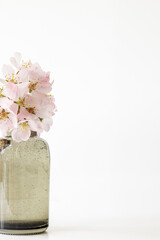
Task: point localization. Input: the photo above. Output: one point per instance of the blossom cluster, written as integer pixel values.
(26, 104)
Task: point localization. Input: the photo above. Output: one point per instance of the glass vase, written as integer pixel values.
(24, 185)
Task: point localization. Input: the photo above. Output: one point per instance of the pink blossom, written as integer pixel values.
(36, 73)
(43, 104)
(39, 80)
(8, 121)
(25, 105)
(22, 132)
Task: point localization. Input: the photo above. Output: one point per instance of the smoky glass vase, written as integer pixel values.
(24, 185)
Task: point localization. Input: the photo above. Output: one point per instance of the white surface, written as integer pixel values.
(121, 229)
(105, 58)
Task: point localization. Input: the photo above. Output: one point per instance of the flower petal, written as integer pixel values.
(45, 112)
(7, 69)
(25, 133)
(3, 128)
(18, 57)
(13, 108)
(14, 62)
(47, 123)
(23, 74)
(44, 87)
(25, 115)
(16, 135)
(13, 119)
(11, 91)
(5, 103)
(35, 125)
(22, 89)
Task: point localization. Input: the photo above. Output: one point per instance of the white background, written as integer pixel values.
(105, 58)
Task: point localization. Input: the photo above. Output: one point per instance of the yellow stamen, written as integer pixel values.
(31, 110)
(25, 126)
(32, 86)
(26, 64)
(20, 102)
(3, 114)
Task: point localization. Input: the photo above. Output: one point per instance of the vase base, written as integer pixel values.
(23, 227)
(23, 232)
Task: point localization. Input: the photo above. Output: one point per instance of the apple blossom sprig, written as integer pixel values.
(25, 101)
